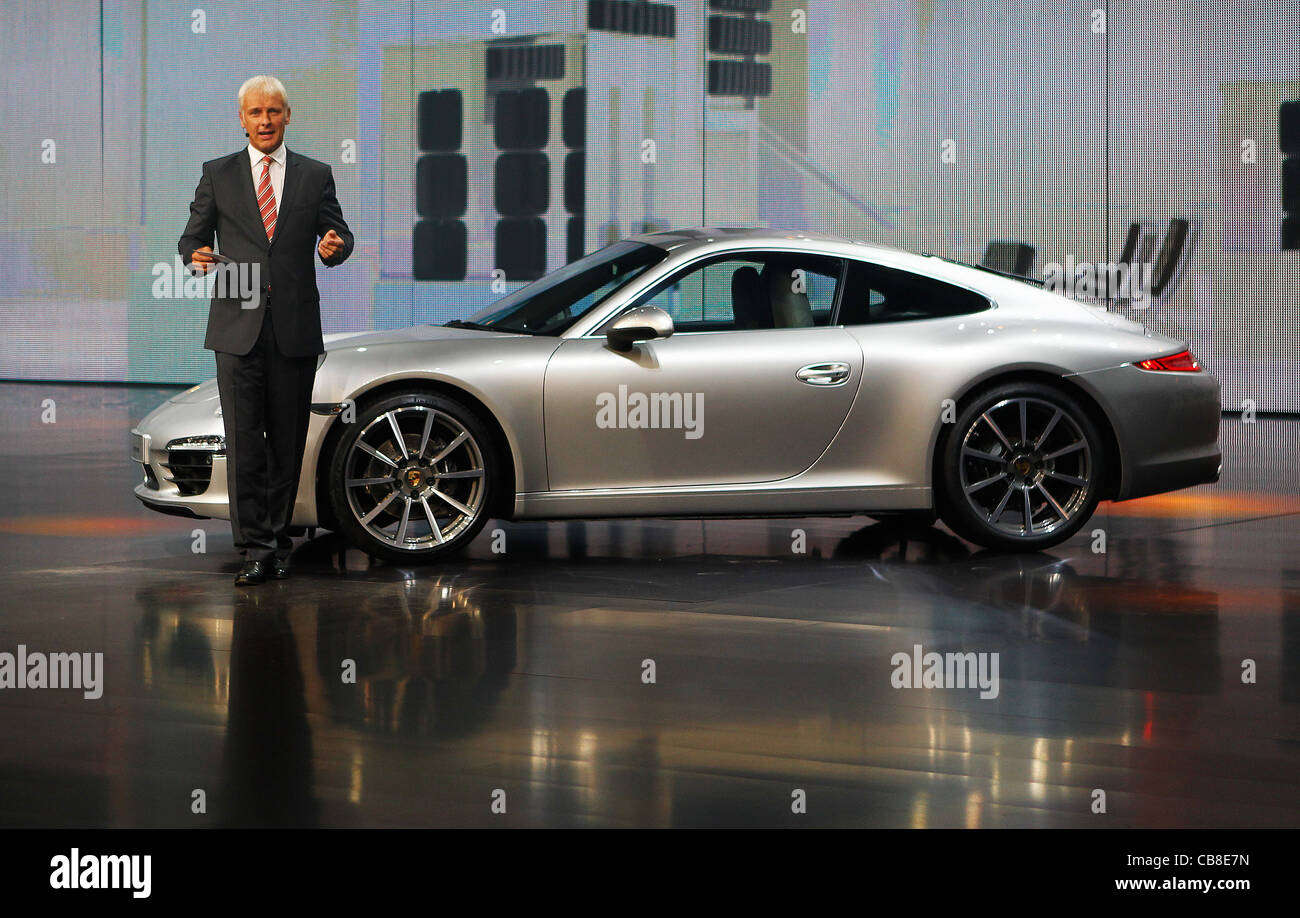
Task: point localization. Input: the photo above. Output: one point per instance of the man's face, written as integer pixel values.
(264, 115)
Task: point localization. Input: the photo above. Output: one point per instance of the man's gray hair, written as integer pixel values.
(263, 83)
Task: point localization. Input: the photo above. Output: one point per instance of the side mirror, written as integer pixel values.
(643, 323)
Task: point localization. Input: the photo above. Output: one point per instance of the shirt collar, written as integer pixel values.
(279, 154)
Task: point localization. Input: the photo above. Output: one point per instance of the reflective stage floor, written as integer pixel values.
(518, 678)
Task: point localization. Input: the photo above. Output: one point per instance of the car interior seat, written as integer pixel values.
(790, 308)
(875, 305)
(749, 301)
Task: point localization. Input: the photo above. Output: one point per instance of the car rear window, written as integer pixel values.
(875, 294)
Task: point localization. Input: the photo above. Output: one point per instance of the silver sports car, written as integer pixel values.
(721, 373)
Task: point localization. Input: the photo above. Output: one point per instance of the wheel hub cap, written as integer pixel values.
(1025, 470)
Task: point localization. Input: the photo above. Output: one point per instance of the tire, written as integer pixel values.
(1017, 452)
(420, 497)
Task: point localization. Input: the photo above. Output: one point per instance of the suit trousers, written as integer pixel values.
(265, 403)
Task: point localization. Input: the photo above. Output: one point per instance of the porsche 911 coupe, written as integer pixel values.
(723, 372)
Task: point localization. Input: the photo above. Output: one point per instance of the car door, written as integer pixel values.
(749, 388)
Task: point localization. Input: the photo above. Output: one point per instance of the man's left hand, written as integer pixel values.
(330, 245)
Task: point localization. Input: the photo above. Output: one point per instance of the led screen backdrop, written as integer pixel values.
(477, 145)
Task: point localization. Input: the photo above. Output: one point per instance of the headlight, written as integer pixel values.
(207, 444)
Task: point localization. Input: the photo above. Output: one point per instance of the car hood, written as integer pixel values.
(203, 392)
(207, 391)
(406, 335)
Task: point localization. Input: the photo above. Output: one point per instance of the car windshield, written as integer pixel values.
(551, 304)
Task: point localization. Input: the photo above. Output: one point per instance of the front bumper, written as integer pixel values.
(169, 483)
(172, 490)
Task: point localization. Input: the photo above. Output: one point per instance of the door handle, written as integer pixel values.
(823, 374)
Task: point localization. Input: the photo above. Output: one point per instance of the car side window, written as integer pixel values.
(749, 290)
(875, 294)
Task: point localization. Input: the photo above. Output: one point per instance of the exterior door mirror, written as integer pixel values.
(642, 323)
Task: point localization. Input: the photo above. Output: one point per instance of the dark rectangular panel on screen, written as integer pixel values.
(521, 247)
(440, 120)
(737, 35)
(441, 185)
(522, 184)
(439, 250)
(575, 182)
(739, 78)
(574, 233)
(1291, 184)
(525, 62)
(1288, 127)
(633, 17)
(741, 6)
(573, 117)
(522, 120)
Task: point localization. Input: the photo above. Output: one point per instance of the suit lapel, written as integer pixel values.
(290, 187)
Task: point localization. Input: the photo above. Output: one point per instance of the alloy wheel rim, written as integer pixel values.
(1026, 467)
(414, 478)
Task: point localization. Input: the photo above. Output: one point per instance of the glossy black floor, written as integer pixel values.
(522, 671)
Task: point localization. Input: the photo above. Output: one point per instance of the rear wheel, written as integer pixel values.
(412, 479)
(1022, 468)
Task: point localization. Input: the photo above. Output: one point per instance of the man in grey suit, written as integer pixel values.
(270, 210)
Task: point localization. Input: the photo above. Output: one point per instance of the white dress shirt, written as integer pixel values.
(278, 158)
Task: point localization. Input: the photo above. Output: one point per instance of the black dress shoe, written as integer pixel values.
(253, 573)
(281, 568)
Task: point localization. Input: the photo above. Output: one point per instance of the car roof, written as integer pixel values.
(703, 234)
(729, 238)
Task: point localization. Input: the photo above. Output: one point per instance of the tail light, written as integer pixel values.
(1182, 362)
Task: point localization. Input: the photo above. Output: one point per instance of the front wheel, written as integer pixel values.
(1022, 468)
(413, 477)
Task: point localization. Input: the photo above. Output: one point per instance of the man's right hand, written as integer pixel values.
(201, 260)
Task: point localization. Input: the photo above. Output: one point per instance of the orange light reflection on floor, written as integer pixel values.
(89, 526)
(1213, 504)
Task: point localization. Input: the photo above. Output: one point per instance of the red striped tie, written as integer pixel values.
(266, 198)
